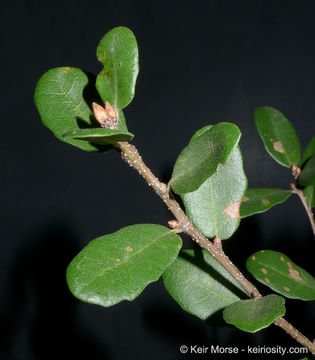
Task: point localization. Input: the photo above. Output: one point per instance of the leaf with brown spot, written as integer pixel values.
(278, 147)
(233, 210)
(261, 200)
(118, 266)
(214, 207)
(278, 135)
(284, 276)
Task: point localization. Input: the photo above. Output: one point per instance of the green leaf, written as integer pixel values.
(260, 200)
(119, 266)
(307, 176)
(200, 285)
(100, 136)
(279, 273)
(59, 100)
(309, 151)
(278, 135)
(214, 207)
(200, 159)
(255, 314)
(309, 194)
(118, 52)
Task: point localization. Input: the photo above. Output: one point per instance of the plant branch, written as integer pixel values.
(300, 194)
(131, 155)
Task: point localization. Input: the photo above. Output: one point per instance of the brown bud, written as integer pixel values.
(174, 224)
(292, 186)
(217, 241)
(254, 294)
(105, 116)
(296, 171)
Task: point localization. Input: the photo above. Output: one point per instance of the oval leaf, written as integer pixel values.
(260, 200)
(118, 52)
(200, 285)
(279, 273)
(309, 151)
(307, 176)
(214, 207)
(100, 136)
(278, 135)
(255, 314)
(200, 159)
(119, 266)
(309, 194)
(59, 100)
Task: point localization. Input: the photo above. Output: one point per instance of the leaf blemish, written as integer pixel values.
(182, 268)
(118, 260)
(253, 257)
(278, 147)
(233, 210)
(285, 288)
(294, 274)
(267, 280)
(245, 198)
(264, 271)
(266, 202)
(281, 258)
(129, 249)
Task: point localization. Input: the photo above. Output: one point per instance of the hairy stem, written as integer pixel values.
(131, 155)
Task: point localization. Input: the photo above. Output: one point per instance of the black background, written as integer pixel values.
(201, 62)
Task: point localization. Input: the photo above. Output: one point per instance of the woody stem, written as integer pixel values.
(131, 155)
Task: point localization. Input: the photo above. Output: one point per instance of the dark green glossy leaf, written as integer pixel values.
(309, 193)
(278, 135)
(255, 314)
(260, 200)
(200, 285)
(200, 159)
(119, 266)
(100, 136)
(309, 151)
(59, 100)
(307, 176)
(278, 272)
(118, 52)
(214, 206)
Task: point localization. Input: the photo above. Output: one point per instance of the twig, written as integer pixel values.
(299, 192)
(131, 155)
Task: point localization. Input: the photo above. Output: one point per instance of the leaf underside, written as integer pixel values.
(200, 285)
(255, 314)
(100, 136)
(214, 207)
